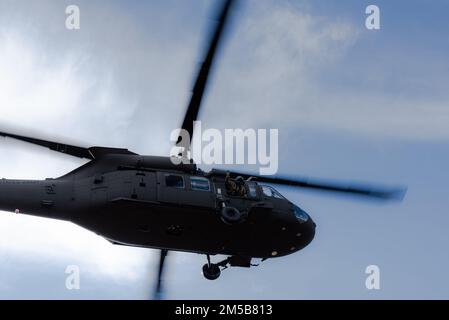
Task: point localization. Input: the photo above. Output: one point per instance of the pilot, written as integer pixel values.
(235, 187)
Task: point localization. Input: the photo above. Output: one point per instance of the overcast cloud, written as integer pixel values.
(332, 87)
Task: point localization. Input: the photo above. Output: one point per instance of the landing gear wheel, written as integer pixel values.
(211, 271)
(231, 215)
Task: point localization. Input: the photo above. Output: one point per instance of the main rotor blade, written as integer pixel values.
(203, 75)
(158, 293)
(75, 151)
(79, 152)
(353, 189)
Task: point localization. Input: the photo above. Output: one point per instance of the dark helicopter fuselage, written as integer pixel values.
(149, 202)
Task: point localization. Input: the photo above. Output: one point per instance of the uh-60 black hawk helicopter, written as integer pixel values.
(147, 201)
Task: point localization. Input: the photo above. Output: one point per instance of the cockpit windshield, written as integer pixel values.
(271, 192)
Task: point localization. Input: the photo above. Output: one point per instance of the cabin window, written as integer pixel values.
(200, 184)
(174, 181)
(271, 192)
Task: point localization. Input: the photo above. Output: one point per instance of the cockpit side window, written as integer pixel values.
(174, 181)
(271, 192)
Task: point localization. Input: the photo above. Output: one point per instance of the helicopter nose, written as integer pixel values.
(305, 234)
(305, 229)
(298, 235)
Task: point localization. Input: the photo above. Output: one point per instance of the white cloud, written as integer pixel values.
(281, 70)
(54, 95)
(37, 238)
(125, 82)
(68, 95)
(108, 86)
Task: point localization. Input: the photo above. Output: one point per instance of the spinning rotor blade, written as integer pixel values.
(352, 189)
(79, 152)
(158, 292)
(194, 108)
(203, 75)
(75, 151)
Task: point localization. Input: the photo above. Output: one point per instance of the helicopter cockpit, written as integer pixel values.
(239, 187)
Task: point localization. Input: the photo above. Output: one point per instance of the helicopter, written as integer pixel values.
(157, 203)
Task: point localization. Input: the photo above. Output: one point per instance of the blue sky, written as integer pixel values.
(349, 103)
